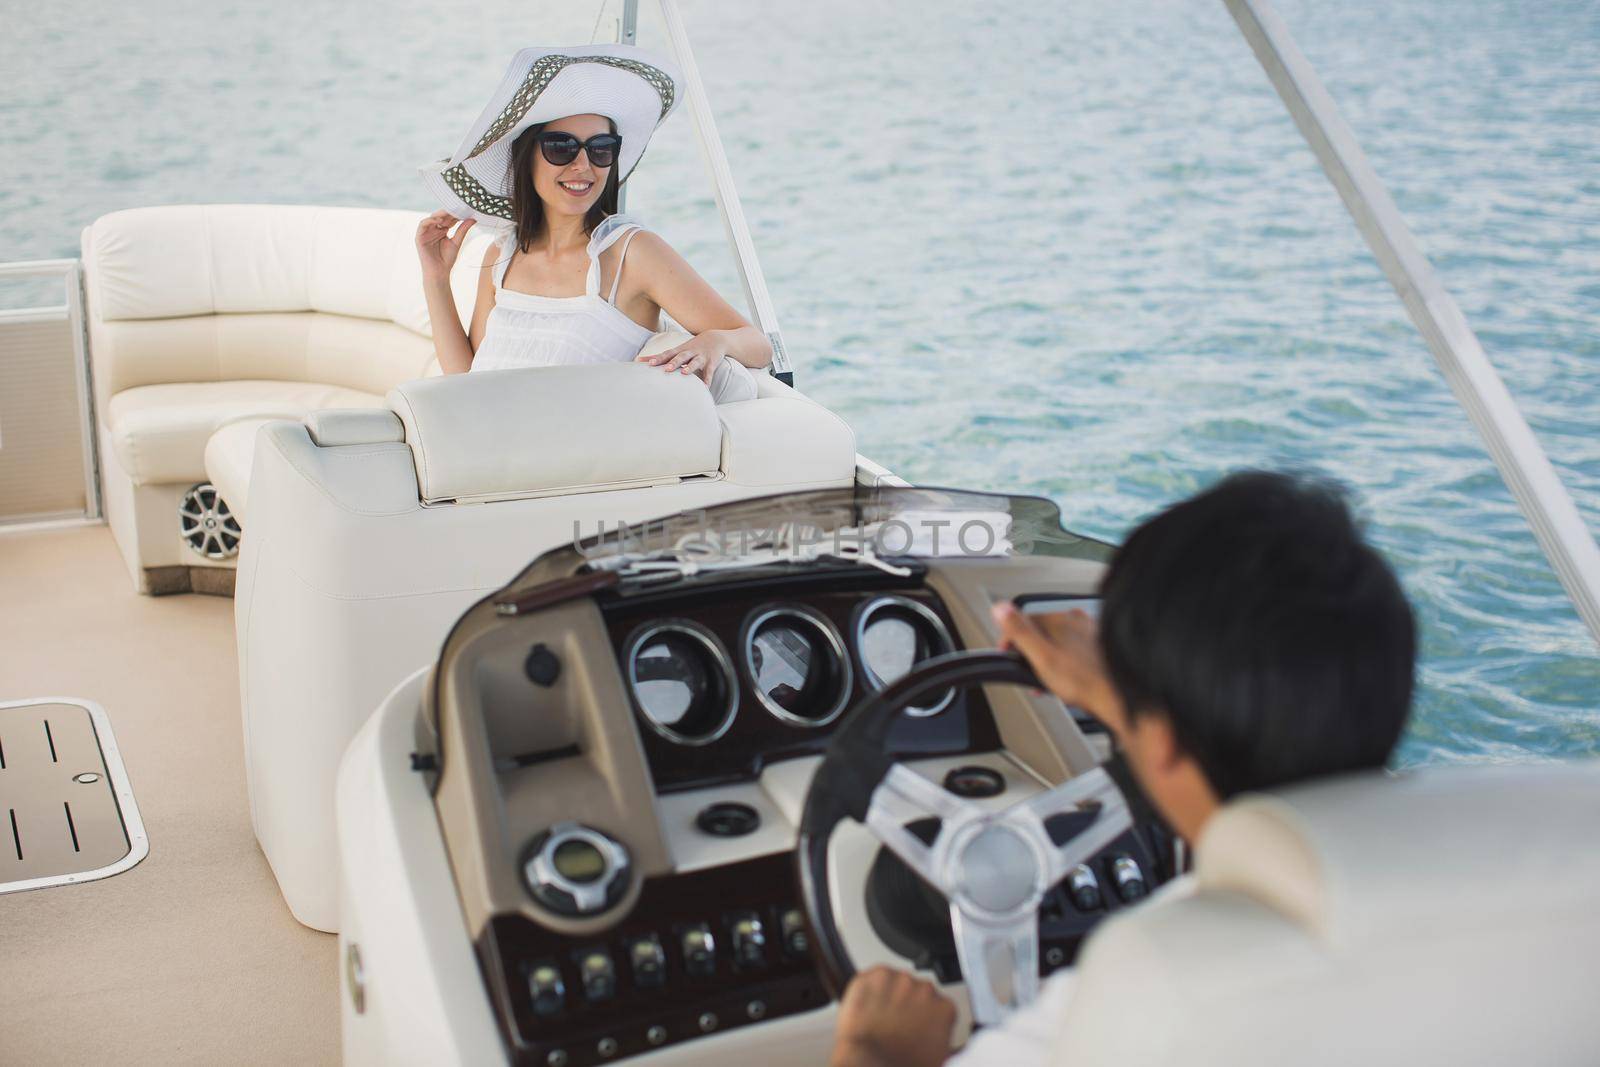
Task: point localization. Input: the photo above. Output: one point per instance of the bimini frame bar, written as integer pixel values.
(1523, 464)
(716, 160)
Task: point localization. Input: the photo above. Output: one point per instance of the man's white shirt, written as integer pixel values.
(1031, 1035)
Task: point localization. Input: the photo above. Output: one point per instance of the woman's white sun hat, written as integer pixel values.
(628, 85)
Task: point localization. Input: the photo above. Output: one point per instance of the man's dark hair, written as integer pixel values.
(1255, 618)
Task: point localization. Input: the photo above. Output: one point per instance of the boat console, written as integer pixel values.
(622, 749)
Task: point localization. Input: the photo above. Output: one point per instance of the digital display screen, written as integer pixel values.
(578, 861)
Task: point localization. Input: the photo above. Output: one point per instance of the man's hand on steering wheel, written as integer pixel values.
(889, 1018)
(1063, 648)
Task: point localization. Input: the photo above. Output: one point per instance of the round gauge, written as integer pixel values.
(682, 681)
(797, 665)
(575, 869)
(894, 634)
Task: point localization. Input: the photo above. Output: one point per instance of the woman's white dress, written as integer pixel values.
(546, 331)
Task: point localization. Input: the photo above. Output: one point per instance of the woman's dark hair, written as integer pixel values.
(1274, 639)
(526, 207)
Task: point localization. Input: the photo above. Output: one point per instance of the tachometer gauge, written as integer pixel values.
(894, 634)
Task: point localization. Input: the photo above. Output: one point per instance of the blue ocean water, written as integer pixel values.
(1072, 249)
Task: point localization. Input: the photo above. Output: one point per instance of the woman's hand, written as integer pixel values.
(436, 248)
(1064, 650)
(888, 1018)
(698, 355)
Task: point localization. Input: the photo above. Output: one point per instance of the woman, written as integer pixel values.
(542, 166)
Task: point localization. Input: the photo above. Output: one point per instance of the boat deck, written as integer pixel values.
(192, 956)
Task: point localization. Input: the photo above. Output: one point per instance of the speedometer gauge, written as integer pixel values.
(893, 635)
(797, 665)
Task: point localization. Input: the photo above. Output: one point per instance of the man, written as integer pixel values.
(1248, 639)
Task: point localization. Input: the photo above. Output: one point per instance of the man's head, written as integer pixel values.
(1254, 640)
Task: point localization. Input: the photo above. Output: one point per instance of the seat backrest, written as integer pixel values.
(554, 431)
(1449, 915)
(370, 532)
(498, 435)
(287, 292)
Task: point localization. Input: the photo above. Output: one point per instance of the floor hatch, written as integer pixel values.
(67, 813)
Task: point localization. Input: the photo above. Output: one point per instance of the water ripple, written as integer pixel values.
(1081, 253)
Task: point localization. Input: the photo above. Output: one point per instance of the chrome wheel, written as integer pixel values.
(207, 524)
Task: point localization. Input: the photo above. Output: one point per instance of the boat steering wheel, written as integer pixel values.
(993, 867)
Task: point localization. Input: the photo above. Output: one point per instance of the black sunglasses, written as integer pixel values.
(559, 149)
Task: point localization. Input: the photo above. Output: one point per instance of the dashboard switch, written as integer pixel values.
(792, 925)
(649, 963)
(1129, 878)
(548, 991)
(699, 951)
(1084, 888)
(599, 975)
(749, 938)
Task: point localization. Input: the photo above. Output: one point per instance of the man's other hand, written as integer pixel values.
(1064, 650)
(889, 1018)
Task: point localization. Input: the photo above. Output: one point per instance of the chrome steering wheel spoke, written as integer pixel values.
(1085, 814)
(905, 796)
(992, 952)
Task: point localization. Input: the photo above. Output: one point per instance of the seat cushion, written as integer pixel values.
(160, 431)
(228, 456)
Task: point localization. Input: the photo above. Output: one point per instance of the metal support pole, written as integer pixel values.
(627, 33)
(1523, 464)
(716, 160)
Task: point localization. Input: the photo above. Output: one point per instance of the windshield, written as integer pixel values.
(884, 526)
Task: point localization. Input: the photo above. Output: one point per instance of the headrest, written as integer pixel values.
(1367, 858)
(200, 259)
(492, 435)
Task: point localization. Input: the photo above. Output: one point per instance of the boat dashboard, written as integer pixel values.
(620, 771)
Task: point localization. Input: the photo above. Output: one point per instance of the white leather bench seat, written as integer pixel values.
(201, 315)
(160, 431)
(229, 454)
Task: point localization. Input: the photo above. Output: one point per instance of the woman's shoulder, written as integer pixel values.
(613, 228)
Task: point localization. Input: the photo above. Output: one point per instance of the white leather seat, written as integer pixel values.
(1449, 916)
(201, 315)
(370, 532)
(228, 455)
(160, 431)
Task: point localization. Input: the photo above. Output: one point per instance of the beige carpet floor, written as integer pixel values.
(191, 957)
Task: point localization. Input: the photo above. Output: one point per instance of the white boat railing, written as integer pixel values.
(46, 437)
(1527, 471)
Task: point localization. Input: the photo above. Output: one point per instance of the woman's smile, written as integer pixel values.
(577, 187)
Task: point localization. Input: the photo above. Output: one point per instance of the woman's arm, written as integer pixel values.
(453, 346)
(719, 330)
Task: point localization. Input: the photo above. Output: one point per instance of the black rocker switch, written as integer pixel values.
(1085, 888)
(599, 975)
(792, 925)
(548, 991)
(749, 940)
(648, 961)
(699, 951)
